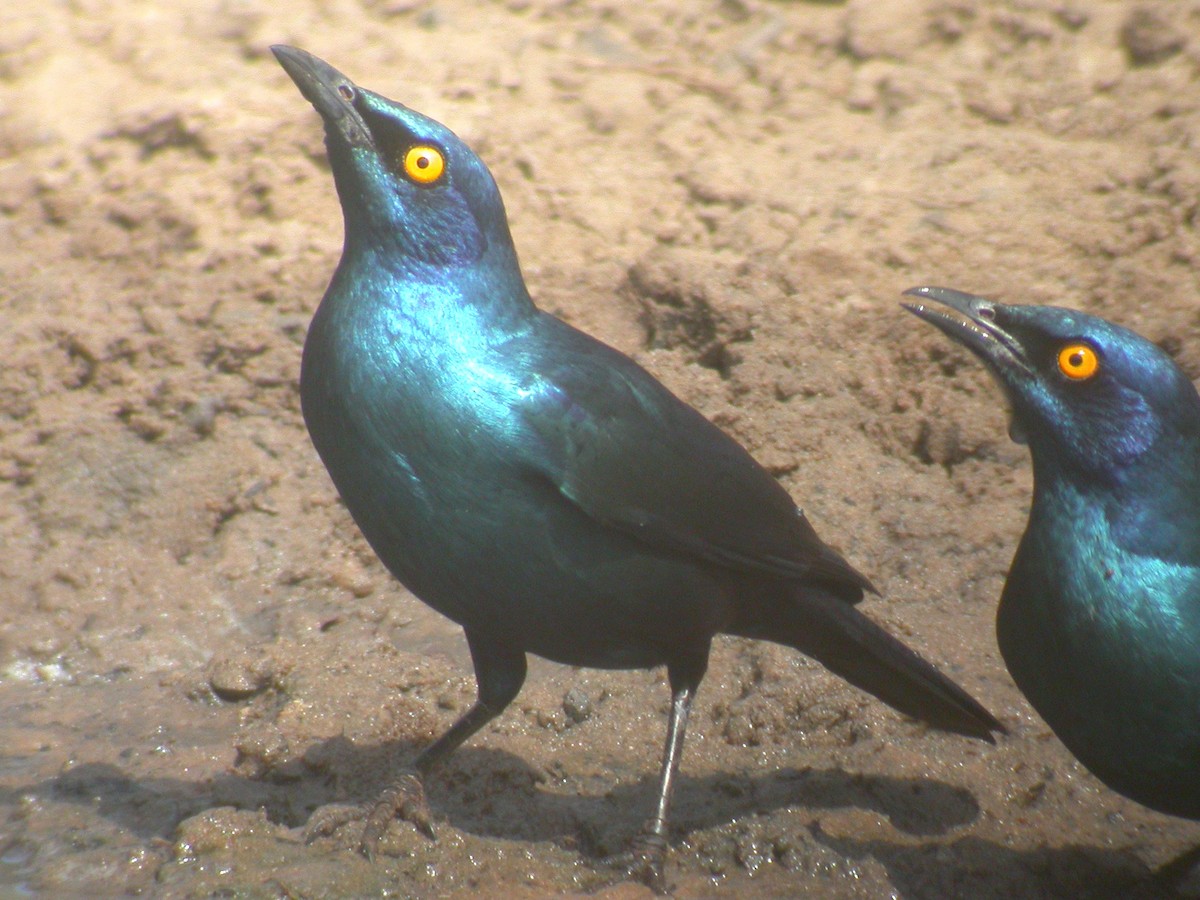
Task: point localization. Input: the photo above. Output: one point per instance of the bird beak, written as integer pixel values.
(330, 92)
(975, 327)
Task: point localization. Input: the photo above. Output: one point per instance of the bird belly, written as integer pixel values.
(578, 596)
(510, 559)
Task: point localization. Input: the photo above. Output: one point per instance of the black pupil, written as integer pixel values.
(422, 162)
(1077, 359)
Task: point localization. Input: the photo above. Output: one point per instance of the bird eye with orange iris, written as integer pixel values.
(424, 164)
(1078, 362)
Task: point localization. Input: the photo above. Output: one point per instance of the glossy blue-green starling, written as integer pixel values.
(535, 485)
(1099, 620)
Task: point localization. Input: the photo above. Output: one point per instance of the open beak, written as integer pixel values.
(972, 323)
(975, 327)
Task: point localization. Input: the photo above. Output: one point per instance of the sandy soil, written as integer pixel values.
(196, 646)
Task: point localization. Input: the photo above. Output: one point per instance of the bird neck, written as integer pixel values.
(486, 298)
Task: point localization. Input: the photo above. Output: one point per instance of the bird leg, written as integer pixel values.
(645, 861)
(499, 674)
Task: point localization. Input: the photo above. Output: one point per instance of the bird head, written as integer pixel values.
(407, 184)
(1084, 392)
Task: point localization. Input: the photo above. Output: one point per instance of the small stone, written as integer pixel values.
(239, 675)
(1149, 38)
(261, 750)
(577, 705)
(201, 415)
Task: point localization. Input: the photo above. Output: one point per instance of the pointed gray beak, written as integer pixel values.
(330, 92)
(975, 327)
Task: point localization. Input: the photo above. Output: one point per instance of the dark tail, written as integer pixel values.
(849, 644)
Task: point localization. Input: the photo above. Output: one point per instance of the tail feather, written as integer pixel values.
(852, 646)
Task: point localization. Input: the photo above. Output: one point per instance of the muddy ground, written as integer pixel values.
(197, 648)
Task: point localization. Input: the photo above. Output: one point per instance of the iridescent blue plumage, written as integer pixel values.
(1099, 621)
(534, 485)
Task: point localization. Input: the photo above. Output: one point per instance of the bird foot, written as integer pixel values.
(402, 799)
(328, 819)
(645, 861)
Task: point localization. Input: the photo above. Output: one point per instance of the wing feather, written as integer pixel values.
(630, 454)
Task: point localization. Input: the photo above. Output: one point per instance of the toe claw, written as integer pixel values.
(644, 861)
(328, 819)
(650, 861)
(404, 799)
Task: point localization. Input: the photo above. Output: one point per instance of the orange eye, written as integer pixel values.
(1078, 362)
(424, 164)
